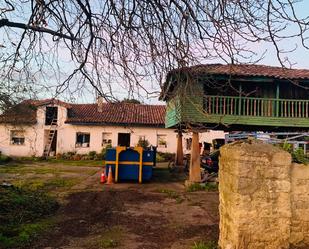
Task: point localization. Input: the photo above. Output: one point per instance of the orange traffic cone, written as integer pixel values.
(102, 178)
(110, 179)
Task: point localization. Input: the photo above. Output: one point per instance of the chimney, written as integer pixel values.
(100, 101)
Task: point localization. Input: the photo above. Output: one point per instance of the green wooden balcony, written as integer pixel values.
(257, 107)
(231, 110)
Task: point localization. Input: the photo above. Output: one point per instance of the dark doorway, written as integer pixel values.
(124, 139)
(53, 147)
(51, 115)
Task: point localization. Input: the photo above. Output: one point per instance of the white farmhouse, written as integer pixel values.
(41, 127)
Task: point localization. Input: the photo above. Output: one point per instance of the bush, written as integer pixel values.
(165, 156)
(144, 143)
(104, 150)
(4, 159)
(298, 155)
(159, 158)
(92, 154)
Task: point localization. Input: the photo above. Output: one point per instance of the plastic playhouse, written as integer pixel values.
(130, 163)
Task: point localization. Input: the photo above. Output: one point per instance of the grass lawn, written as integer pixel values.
(27, 207)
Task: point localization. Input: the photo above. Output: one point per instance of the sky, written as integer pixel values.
(299, 58)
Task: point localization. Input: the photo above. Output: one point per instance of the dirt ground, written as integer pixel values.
(160, 214)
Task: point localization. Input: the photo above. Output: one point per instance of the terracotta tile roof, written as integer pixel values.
(117, 113)
(112, 113)
(246, 70)
(25, 112)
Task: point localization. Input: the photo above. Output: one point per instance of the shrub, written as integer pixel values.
(166, 156)
(4, 159)
(92, 154)
(159, 158)
(298, 155)
(144, 143)
(104, 150)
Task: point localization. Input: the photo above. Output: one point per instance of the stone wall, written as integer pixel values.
(260, 205)
(300, 205)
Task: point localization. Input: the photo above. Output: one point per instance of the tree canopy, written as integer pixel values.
(66, 45)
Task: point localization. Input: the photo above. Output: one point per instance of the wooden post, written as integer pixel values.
(179, 152)
(277, 99)
(195, 171)
(239, 103)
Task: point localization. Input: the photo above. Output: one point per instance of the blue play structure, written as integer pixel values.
(130, 163)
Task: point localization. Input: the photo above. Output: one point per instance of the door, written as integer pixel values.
(124, 139)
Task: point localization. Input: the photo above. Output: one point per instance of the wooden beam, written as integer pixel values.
(179, 152)
(195, 171)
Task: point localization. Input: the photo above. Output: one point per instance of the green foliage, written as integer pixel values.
(205, 245)
(104, 150)
(92, 154)
(144, 143)
(298, 155)
(21, 213)
(172, 194)
(165, 156)
(202, 187)
(4, 159)
(159, 158)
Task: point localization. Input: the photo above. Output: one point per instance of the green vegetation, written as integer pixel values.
(76, 163)
(110, 239)
(202, 187)
(172, 194)
(165, 156)
(144, 143)
(4, 159)
(22, 213)
(205, 245)
(47, 184)
(298, 155)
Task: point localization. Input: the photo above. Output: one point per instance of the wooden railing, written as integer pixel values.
(260, 107)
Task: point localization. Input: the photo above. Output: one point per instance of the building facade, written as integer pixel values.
(48, 127)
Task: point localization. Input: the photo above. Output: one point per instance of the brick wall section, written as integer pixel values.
(300, 205)
(255, 206)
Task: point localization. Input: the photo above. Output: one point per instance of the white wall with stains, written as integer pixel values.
(66, 138)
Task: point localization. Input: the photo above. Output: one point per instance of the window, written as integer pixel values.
(161, 140)
(82, 139)
(106, 139)
(51, 115)
(17, 137)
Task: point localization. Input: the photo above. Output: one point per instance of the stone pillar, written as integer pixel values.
(254, 192)
(179, 152)
(195, 171)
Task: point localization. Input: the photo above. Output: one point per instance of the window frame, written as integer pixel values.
(109, 141)
(81, 144)
(162, 145)
(22, 138)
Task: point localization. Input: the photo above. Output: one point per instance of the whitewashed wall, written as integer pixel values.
(66, 139)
